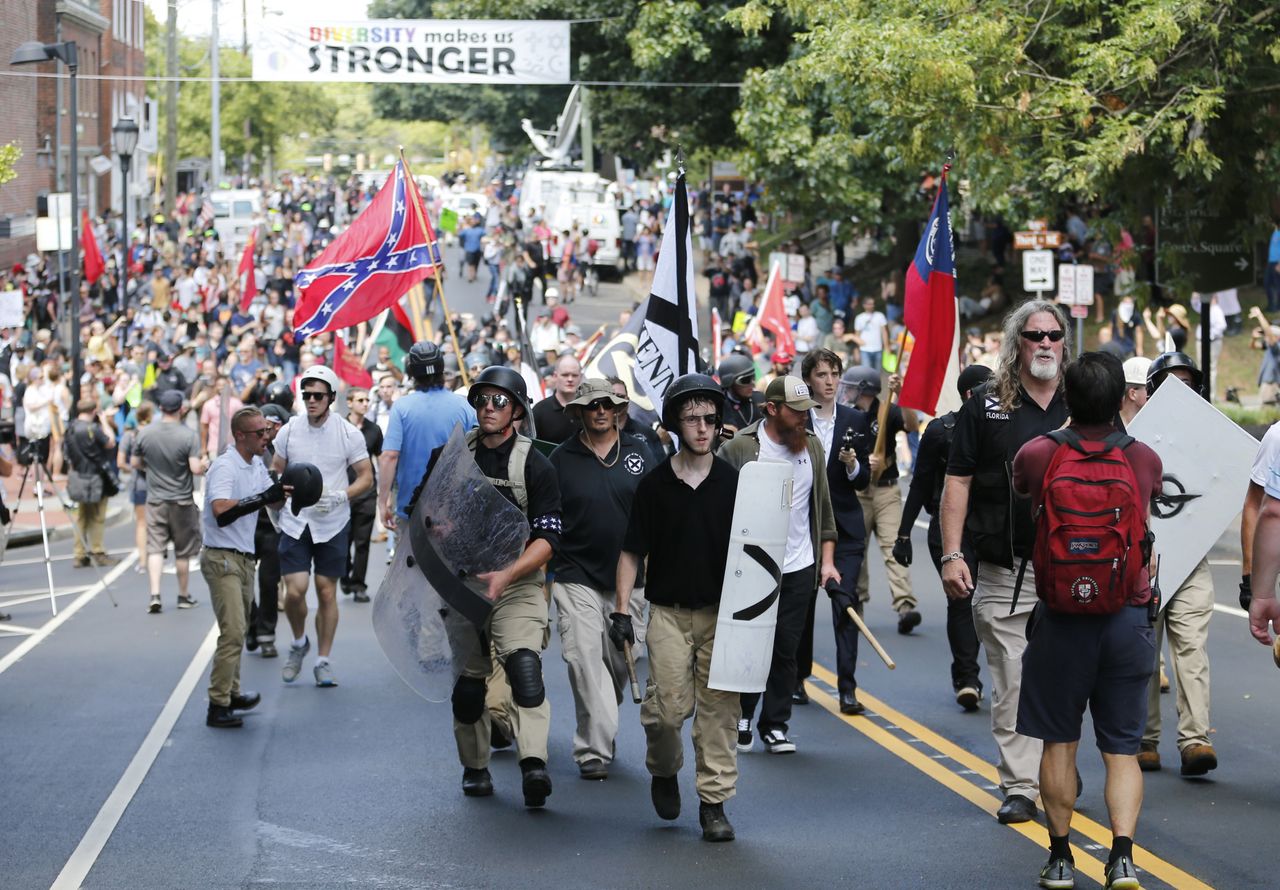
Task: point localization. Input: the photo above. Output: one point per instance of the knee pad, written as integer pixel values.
(468, 699)
(524, 673)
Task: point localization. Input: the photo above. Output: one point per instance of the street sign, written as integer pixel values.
(1204, 243)
(1037, 270)
(1075, 285)
(1036, 240)
(1079, 311)
(60, 205)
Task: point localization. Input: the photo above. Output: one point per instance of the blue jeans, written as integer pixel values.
(872, 359)
(1271, 282)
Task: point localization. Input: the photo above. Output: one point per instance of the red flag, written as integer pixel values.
(346, 365)
(932, 313)
(772, 315)
(389, 248)
(715, 335)
(250, 279)
(93, 264)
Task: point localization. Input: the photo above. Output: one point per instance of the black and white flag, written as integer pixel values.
(667, 346)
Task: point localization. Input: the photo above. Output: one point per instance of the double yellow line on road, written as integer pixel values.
(915, 754)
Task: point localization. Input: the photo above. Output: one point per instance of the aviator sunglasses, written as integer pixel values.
(498, 399)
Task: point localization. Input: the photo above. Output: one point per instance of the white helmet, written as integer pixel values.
(322, 373)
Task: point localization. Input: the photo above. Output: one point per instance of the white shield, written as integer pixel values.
(752, 577)
(1207, 459)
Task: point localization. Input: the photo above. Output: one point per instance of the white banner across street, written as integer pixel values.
(413, 51)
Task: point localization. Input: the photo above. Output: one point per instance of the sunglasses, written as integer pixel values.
(314, 396)
(498, 400)
(697, 420)
(599, 405)
(260, 431)
(1038, 336)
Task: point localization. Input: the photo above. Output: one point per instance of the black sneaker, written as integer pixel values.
(360, 596)
(222, 717)
(537, 782)
(908, 620)
(665, 793)
(1121, 875)
(187, 602)
(269, 650)
(715, 824)
(745, 736)
(251, 640)
(1059, 873)
(968, 697)
(1016, 808)
(800, 696)
(477, 782)
(776, 742)
(154, 607)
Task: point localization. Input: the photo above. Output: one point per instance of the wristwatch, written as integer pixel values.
(950, 556)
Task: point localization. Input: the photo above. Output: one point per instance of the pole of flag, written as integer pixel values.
(882, 418)
(438, 271)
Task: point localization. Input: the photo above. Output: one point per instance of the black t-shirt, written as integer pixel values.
(373, 443)
(552, 422)
(742, 413)
(596, 504)
(985, 442)
(540, 481)
(685, 533)
(896, 425)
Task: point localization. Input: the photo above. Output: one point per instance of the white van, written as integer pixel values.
(235, 213)
(565, 198)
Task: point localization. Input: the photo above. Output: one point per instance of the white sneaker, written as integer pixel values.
(745, 736)
(293, 664)
(776, 742)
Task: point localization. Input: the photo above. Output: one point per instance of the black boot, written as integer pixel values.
(245, 701)
(221, 716)
(477, 782)
(537, 783)
(665, 792)
(715, 824)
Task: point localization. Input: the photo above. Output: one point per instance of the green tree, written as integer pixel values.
(9, 155)
(1044, 102)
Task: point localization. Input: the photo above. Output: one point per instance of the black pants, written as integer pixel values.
(794, 601)
(362, 514)
(961, 635)
(264, 611)
(848, 560)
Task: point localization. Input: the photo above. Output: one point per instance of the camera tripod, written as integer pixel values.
(44, 478)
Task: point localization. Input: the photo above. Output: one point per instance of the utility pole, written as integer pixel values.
(215, 128)
(584, 131)
(171, 111)
(244, 28)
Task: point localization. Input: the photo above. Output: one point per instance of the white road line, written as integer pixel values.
(86, 853)
(18, 597)
(39, 560)
(17, 629)
(54, 623)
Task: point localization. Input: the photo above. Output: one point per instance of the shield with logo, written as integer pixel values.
(431, 607)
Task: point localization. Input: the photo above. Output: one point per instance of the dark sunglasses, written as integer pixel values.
(314, 396)
(260, 431)
(599, 405)
(498, 399)
(1038, 336)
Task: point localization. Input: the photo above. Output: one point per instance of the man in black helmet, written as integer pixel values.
(420, 423)
(517, 625)
(927, 477)
(1185, 620)
(681, 520)
(264, 613)
(743, 403)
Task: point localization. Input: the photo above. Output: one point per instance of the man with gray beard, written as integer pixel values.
(1023, 400)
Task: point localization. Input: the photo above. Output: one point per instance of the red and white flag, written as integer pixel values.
(772, 315)
(248, 278)
(346, 364)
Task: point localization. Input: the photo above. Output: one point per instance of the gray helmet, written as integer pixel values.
(506, 379)
(450, 364)
(307, 484)
(276, 413)
(685, 388)
(1165, 363)
(280, 393)
(861, 380)
(477, 360)
(736, 368)
(424, 360)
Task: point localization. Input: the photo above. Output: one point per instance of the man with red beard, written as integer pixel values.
(809, 561)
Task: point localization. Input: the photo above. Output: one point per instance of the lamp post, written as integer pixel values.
(124, 139)
(66, 52)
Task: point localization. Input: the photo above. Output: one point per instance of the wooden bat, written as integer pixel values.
(882, 418)
(631, 672)
(1275, 651)
(866, 632)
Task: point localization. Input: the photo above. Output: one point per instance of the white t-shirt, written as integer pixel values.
(1266, 463)
(799, 538)
(869, 327)
(332, 447)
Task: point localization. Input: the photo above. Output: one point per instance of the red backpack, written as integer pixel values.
(1091, 529)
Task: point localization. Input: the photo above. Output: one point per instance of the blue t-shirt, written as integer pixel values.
(471, 238)
(420, 423)
(1273, 250)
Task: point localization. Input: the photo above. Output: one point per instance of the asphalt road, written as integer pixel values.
(112, 780)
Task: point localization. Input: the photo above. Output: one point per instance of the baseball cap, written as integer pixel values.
(790, 391)
(1135, 370)
(171, 401)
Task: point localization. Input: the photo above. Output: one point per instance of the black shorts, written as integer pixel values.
(473, 257)
(1074, 661)
(330, 557)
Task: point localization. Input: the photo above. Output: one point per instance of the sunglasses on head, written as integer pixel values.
(314, 396)
(499, 400)
(1038, 336)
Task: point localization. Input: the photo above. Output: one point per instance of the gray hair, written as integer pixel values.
(1007, 377)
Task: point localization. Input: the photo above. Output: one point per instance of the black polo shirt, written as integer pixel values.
(685, 533)
(985, 442)
(596, 504)
(552, 422)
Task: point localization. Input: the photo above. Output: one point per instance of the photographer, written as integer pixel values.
(91, 482)
(1267, 338)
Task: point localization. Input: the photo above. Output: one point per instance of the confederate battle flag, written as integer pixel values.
(388, 249)
(932, 313)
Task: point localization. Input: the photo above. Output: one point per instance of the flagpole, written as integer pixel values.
(378, 325)
(439, 269)
(882, 418)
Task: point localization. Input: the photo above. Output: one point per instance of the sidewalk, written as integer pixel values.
(26, 514)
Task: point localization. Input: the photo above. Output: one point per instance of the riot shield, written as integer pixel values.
(430, 607)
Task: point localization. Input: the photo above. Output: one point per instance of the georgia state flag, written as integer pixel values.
(932, 313)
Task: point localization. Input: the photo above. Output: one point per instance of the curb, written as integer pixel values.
(117, 512)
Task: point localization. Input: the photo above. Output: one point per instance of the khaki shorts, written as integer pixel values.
(169, 521)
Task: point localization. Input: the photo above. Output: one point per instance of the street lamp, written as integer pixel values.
(32, 52)
(124, 138)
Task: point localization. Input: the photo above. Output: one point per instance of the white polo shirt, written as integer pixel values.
(332, 447)
(230, 478)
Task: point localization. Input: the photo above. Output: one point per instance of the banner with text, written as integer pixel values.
(413, 51)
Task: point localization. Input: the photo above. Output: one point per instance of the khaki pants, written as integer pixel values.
(90, 521)
(518, 621)
(882, 513)
(230, 579)
(679, 643)
(1004, 637)
(597, 670)
(1186, 621)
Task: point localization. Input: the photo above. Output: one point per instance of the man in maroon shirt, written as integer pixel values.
(1103, 662)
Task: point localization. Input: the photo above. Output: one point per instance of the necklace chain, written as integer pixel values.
(585, 441)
